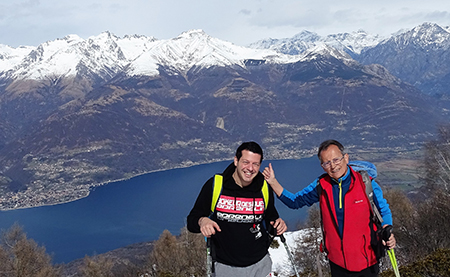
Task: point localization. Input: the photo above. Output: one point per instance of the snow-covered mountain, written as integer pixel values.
(420, 56)
(351, 43)
(197, 49)
(106, 55)
(10, 57)
(427, 35)
(292, 46)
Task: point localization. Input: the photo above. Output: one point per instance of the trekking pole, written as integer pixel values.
(283, 239)
(387, 231)
(208, 258)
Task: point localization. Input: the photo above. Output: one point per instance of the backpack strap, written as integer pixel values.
(265, 193)
(217, 190)
(377, 219)
(369, 191)
(319, 186)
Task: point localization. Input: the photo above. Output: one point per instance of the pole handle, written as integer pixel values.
(386, 233)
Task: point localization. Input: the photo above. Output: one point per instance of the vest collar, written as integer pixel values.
(344, 178)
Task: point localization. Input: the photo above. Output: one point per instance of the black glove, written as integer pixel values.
(386, 233)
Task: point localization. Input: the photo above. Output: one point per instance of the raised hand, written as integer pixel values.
(269, 175)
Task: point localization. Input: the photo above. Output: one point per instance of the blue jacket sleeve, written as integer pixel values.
(381, 204)
(307, 196)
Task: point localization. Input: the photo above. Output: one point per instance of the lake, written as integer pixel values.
(139, 209)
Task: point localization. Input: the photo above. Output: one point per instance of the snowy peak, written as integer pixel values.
(70, 55)
(197, 49)
(47, 49)
(193, 34)
(291, 46)
(424, 35)
(70, 39)
(428, 70)
(103, 55)
(307, 36)
(427, 34)
(134, 45)
(428, 28)
(325, 50)
(10, 57)
(352, 43)
(106, 54)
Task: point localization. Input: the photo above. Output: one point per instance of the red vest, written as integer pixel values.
(353, 251)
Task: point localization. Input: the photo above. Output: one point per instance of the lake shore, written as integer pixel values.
(394, 169)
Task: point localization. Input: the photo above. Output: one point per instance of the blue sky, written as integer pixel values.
(31, 22)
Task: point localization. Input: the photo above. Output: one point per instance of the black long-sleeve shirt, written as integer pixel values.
(240, 214)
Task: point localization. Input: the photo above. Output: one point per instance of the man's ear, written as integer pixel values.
(235, 161)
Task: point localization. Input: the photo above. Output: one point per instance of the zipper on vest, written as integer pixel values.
(343, 252)
(340, 194)
(366, 255)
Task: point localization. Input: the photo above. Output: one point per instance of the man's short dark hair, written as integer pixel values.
(250, 146)
(324, 146)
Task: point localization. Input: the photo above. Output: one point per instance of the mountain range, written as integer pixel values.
(419, 56)
(76, 113)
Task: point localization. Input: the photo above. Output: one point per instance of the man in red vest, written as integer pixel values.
(348, 231)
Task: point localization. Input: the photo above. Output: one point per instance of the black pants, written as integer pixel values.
(337, 271)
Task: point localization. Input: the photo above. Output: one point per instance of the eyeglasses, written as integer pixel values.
(336, 161)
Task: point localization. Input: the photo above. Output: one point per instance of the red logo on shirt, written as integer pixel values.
(240, 205)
